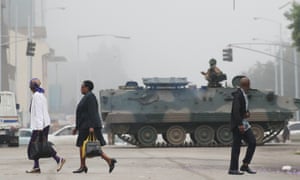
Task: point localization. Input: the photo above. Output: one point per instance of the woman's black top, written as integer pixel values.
(87, 115)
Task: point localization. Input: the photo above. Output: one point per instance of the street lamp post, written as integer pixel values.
(56, 60)
(55, 101)
(97, 35)
(79, 37)
(47, 9)
(275, 64)
(296, 78)
(295, 61)
(280, 50)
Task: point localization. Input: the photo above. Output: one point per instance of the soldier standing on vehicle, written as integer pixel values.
(213, 73)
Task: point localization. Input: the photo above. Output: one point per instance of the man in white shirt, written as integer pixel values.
(40, 123)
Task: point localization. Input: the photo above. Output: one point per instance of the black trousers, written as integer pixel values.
(249, 138)
(39, 134)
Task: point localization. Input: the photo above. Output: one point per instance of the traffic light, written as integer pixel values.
(227, 54)
(30, 48)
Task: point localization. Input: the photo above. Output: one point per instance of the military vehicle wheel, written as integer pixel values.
(175, 135)
(203, 135)
(147, 135)
(258, 132)
(224, 135)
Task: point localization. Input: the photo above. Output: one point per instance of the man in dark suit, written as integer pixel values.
(241, 130)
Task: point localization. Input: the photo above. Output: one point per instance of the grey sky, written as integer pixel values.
(168, 37)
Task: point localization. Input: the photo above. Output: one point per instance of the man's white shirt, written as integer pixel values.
(245, 121)
(246, 99)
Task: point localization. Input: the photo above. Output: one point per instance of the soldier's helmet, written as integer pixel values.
(212, 62)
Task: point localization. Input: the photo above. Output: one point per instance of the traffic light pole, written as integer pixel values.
(227, 55)
(237, 45)
(281, 59)
(29, 58)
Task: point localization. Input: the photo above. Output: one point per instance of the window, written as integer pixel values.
(64, 132)
(294, 127)
(25, 133)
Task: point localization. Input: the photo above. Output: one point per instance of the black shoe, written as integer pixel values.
(235, 172)
(112, 165)
(34, 170)
(81, 169)
(60, 164)
(247, 169)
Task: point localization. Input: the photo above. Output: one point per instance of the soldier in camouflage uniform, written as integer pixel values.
(213, 75)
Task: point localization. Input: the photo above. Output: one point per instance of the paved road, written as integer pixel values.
(155, 164)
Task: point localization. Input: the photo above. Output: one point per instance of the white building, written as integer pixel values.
(16, 56)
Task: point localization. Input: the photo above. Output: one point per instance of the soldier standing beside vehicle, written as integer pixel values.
(241, 130)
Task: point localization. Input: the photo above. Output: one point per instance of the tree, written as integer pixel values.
(293, 15)
(262, 75)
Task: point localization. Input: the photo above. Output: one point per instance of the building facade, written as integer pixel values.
(19, 23)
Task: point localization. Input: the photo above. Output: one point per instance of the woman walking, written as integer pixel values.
(40, 123)
(88, 121)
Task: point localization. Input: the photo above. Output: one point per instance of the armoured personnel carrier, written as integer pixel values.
(168, 112)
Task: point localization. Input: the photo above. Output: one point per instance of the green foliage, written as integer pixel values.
(293, 15)
(262, 75)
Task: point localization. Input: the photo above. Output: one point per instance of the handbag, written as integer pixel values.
(92, 147)
(40, 148)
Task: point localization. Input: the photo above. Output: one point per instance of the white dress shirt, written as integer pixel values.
(245, 121)
(246, 99)
(39, 112)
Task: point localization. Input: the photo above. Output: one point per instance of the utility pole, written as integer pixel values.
(29, 58)
(16, 53)
(296, 78)
(281, 62)
(1, 60)
(79, 37)
(280, 50)
(233, 4)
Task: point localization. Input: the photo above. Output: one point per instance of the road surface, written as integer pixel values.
(155, 164)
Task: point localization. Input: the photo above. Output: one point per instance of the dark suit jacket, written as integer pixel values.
(238, 110)
(87, 115)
